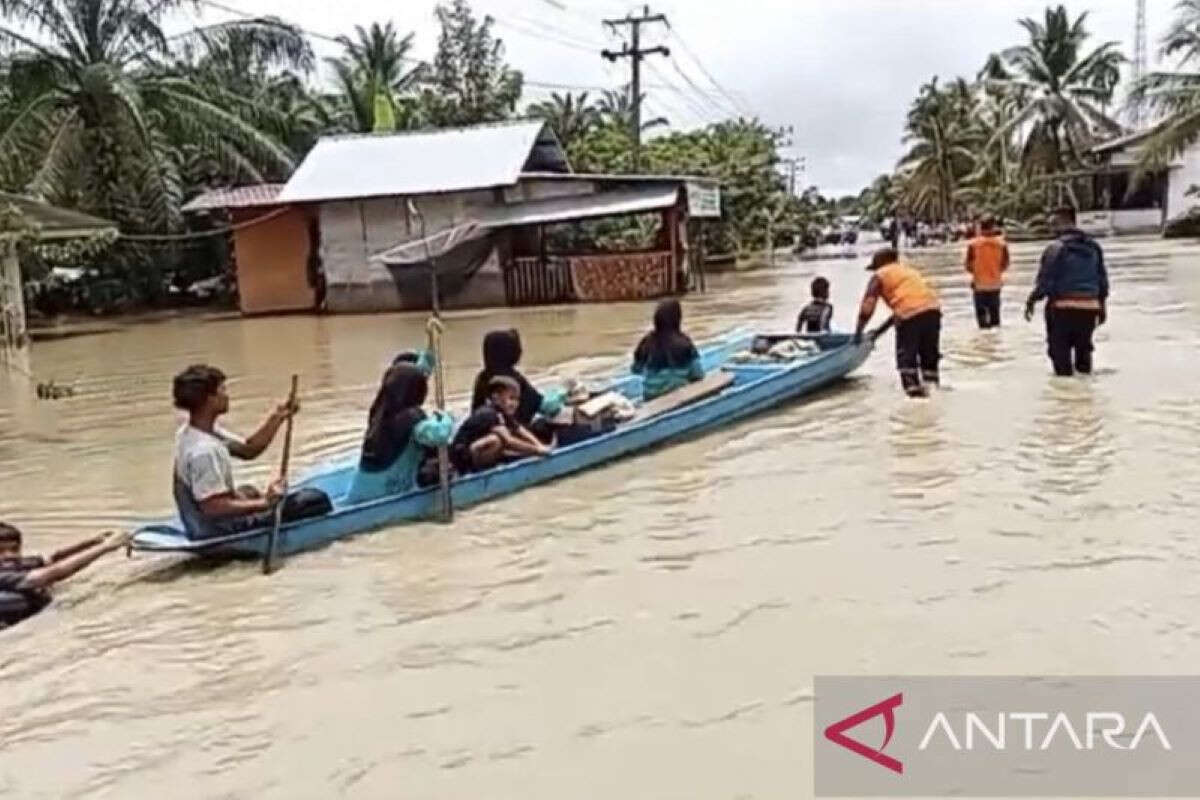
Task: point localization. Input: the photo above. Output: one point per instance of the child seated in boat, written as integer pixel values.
(816, 316)
(493, 433)
(400, 436)
(501, 353)
(666, 358)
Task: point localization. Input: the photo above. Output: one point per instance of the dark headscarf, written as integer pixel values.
(394, 414)
(666, 347)
(501, 352)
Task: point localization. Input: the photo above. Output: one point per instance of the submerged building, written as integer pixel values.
(365, 218)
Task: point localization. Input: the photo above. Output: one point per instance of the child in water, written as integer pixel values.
(816, 316)
(492, 433)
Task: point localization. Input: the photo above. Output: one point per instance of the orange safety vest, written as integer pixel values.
(987, 263)
(905, 290)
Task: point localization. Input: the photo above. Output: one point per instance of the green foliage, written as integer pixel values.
(470, 82)
(376, 90)
(570, 116)
(995, 144)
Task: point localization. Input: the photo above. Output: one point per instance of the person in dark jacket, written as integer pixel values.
(1074, 283)
(400, 437)
(501, 353)
(25, 581)
(666, 358)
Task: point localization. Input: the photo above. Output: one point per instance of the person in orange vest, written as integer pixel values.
(918, 315)
(987, 260)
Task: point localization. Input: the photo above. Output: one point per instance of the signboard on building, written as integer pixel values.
(704, 200)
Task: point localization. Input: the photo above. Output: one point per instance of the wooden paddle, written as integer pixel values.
(446, 501)
(269, 557)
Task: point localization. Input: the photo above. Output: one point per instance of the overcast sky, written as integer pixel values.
(841, 73)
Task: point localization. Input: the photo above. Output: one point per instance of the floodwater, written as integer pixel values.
(649, 629)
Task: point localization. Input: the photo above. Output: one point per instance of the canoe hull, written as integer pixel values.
(756, 388)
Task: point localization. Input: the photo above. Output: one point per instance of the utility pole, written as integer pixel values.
(1139, 55)
(634, 52)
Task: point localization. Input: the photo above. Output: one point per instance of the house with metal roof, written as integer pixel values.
(365, 218)
(46, 223)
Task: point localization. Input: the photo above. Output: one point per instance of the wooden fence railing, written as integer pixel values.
(589, 278)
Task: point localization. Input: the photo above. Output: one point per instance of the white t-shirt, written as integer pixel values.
(203, 463)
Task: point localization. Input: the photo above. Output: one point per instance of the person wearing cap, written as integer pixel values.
(493, 434)
(918, 315)
(1073, 281)
(987, 260)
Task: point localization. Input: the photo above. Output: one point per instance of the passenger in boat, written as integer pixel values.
(666, 358)
(918, 315)
(501, 354)
(208, 501)
(25, 581)
(493, 434)
(816, 316)
(398, 448)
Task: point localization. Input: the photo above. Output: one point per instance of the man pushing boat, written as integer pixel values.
(918, 319)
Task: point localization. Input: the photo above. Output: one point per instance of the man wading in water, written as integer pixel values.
(918, 319)
(987, 261)
(1073, 281)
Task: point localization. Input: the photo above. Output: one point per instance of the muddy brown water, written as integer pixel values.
(647, 629)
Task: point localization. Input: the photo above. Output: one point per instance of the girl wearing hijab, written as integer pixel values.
(666, 358)
(501, 352)
(399, 435)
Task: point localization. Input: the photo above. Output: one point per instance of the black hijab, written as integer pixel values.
(501, 352)
(394, 414)
(666, 347)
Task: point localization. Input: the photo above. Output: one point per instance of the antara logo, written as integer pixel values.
(836, 732)
(1109, 725)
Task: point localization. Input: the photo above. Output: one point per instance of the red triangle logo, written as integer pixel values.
(836, 732)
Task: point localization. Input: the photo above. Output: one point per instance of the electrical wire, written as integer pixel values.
(180, 237)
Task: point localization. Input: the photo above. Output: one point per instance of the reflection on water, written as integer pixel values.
(648, 629)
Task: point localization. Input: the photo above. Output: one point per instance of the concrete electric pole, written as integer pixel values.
(634, 52)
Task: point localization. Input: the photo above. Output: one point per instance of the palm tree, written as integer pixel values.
(568, 115)
(106, 106)
(1066, 91)
(616, 108)
(943, 140)
(1173, 98)
(375, 87)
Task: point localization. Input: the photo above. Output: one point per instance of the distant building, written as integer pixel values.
(347, 229)
(52, 224)
(1158, 198)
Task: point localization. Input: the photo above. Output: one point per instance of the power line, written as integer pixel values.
(697, 109)
(724, 111)
(543, 36)
(728, 96)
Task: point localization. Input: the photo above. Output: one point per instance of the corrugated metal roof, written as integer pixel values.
(431, 162)
(54, 222)
(261, 194)
(535, 212)
(609, 177)
(588, 206)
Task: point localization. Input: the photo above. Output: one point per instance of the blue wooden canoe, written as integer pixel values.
(755, 387)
